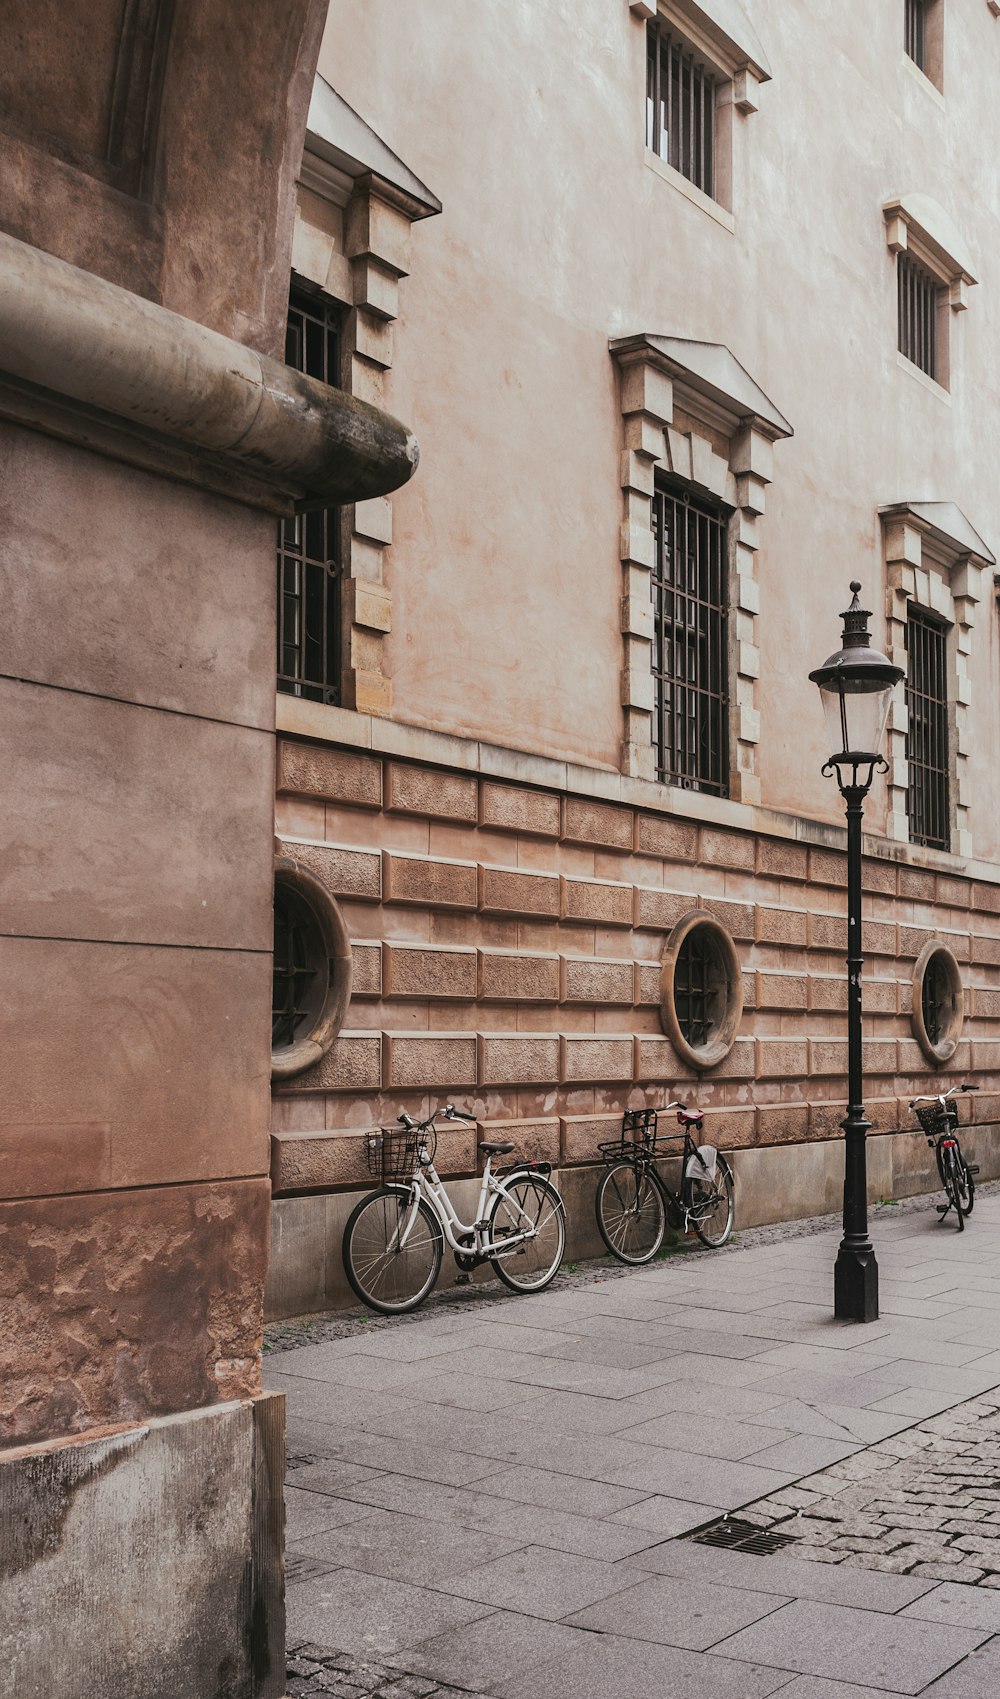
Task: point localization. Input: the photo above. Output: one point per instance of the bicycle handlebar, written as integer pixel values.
(943, 1096)
(450, 1113)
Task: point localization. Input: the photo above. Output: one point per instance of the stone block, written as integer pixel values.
(647, 983)
(910, 1057)
(985, 1003)
(878, 938)
(879, 996)
(781, 991)
(514, 976)
(659, 911)
(828, 1056)
(353, 1063)
(726, 849)
(38, 1160)
(956, 893)
(335, 775)
(510, 808)
(345, 871)
(421, 790)
(658, 834)
(366, 978)
(730, 1129)
(588, 979)
(538, 1141)
(413, 1061)
(825, 1119)
(523, 1058)
(878, 876)
(508, 890)
(916, 883)
(373, 519)
(781, 926)
(782, 1123)
(782, 859)
(739, 1064)
(986, 898)
(912, 940)
(582, 1134)
(828, 867)
(879, 1055)
(985, 952)
(828, 932)
(782, 1058)
(828, 993)
(600, 823)
(413, 970)
(986, 1055)
(599, 1058)
(739, 919)
(428, 883)
(326, 1160)
(596, 900)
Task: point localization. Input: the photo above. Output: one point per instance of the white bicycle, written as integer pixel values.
(394, 1240)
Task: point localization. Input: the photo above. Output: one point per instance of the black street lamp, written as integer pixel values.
(856, 686)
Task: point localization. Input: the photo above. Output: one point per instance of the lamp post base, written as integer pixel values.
(855, 1285)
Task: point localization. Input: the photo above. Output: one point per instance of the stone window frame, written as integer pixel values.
(703, 1057)
(724, 37)
(334, 943)
(941, 1050)
(917, 225)
(692, 413)
(932, 69)
(935, 560)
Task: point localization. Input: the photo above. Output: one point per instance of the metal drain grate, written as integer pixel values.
(740, 1536)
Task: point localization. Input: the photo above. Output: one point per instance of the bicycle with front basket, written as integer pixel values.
(394, 1240)
(938, 1116)
(634, 1203)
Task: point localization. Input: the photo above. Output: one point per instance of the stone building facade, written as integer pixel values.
(693, 262)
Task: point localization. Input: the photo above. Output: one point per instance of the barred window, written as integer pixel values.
(915, 31)
(918, 293)
(689, 655)
(309, 543)
(680, 106)
(927, 753)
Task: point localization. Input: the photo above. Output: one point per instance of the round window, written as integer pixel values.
(311, 984)
(701, 990)
(938, 1003)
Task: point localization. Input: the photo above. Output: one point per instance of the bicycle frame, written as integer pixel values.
(426, 1183)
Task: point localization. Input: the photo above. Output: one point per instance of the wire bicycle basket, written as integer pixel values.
(933, 1118)
(637, 1138)
(394, 1152)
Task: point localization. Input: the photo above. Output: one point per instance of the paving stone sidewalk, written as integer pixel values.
(491, 1498)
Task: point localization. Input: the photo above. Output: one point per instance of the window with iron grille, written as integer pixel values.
(915, 31)
(927, 753)
(917, 293)
(680, 106)
(689, 654)
(300, 973)
(309, 543)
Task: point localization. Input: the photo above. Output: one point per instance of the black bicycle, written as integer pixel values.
(634, 1203)
(938, 1116)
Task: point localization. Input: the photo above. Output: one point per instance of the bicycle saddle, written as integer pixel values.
(497, 1147)
(690, 1117)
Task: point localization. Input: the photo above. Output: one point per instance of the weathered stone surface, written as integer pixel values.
(878, 876)
(739, 919)
(596, 1058)
(352, 1063)
(659, 911)
(508, 890)
(412, 970)
(430, 883)
(782, 1058)
(658, 834)
(782, 1123)
(507, 976)
(916, 883)
(344, 870)
(782, 990)
(782, 859)
(781, 926)
(335, 775)
(656, 1059)
(590, 980)
(37, 1159)
(122, 1305)
(730, 1129)
(518, 1059)
(726, 849)
(423, 790)
(366, 978)
(828, 1056)
(647, 982)
(956, 893)
(878, 938)
(828, 932)
(879, 1056)
(827, 867)
(581, 1135)
(601, 823)
(432, 1059)
(597, 900)
(318, 1161)
(536, 1141)
(509, 808)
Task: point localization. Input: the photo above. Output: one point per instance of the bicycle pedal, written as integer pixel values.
(463, 1280)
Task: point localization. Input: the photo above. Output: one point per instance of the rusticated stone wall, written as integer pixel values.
(507, 945)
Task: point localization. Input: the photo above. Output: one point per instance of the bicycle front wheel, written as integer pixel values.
(710, 1206)
(389, 1275)
(527, 1201)
(631, 1217)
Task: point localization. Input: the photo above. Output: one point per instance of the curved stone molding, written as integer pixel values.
(938, 1046)
(85, 360)
(727, 991)
(335, 944)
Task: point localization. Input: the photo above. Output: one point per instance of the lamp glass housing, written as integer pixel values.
(857, 710)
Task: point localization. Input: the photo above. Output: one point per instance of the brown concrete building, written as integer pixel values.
(702, 332)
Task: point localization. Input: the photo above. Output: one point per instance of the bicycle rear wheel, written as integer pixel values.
(710, 1205)
(385, 1276)
(630, 1213)
(954, 1185)
(527, 1200)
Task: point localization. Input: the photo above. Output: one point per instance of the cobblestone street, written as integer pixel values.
(496, 1496)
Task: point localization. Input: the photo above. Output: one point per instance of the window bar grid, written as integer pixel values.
(690, 724)
(917, 298)
(680, 107)
(915, 31)
(693, 991)
(309, 544)
(927, 731)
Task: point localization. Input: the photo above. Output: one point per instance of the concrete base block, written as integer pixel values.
(147, 1560)
(784, 1182)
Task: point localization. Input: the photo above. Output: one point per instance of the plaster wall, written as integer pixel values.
(559, 233)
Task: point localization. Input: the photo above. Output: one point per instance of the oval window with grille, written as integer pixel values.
(701, 990)
(938, 1003)
(311, 983)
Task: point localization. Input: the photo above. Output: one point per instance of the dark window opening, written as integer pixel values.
(309, 543)
(700, 983)
(917, 297)
(689, 654)
(915, 31)
(927, 729)
(937, 1000)
(680, 106)
(300, 975)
